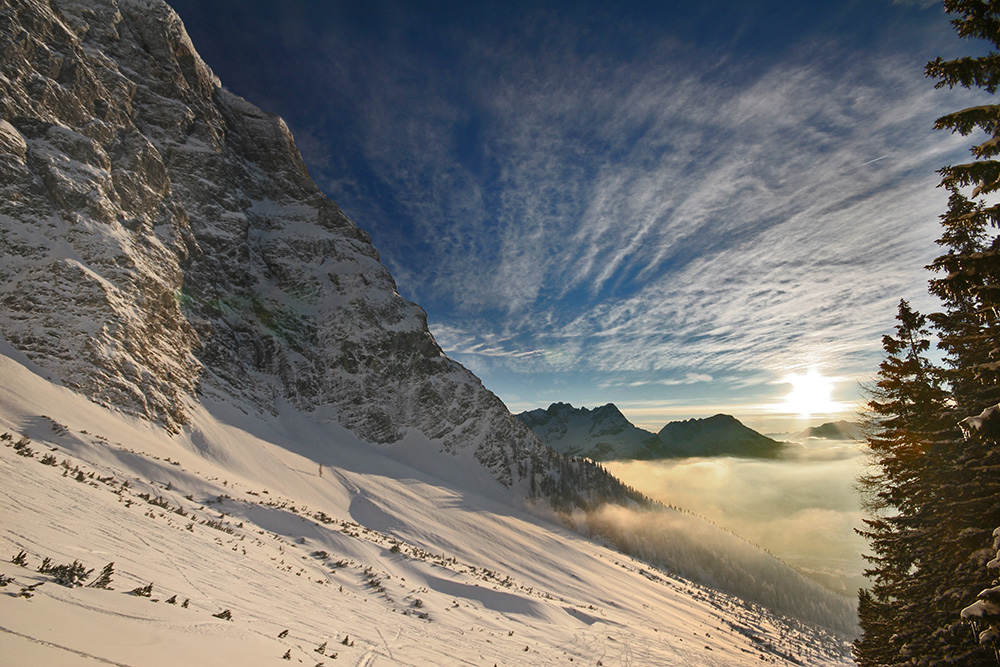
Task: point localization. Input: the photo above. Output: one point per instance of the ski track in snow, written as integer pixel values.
(48, 644)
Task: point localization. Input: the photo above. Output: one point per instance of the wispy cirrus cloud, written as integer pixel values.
(785, 241)
(644, 198)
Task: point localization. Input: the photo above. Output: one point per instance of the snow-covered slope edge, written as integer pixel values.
(407, 567)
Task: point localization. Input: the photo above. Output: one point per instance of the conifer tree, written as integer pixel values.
(905, 422)
(933, 512)
(968, 284)
(104, 578)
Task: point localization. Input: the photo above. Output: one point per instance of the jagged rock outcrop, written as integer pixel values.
(160, 239)
(602, 434)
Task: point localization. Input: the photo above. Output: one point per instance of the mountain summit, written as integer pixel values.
(164, 244)
(719, 435)
(601, 434)
(604, 434)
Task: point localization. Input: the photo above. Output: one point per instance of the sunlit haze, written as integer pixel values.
(803, 508)
(811, 394)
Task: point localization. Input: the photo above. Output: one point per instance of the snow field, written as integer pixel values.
(235, 514)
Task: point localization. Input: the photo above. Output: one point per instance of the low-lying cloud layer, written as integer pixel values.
(803, 509)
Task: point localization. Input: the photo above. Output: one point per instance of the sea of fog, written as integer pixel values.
(802, 508)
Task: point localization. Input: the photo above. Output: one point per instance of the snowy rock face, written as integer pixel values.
(160, 238)
(601, 434)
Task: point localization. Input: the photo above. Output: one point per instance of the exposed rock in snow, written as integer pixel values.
(161, 238)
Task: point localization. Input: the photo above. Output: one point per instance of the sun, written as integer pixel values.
(811, 393)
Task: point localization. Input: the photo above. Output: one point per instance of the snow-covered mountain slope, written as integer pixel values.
(175, 290)
(602, 434)
(293, 525)
(162, 240)
(605, 434)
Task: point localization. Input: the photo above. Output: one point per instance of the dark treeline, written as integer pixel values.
(933, 489)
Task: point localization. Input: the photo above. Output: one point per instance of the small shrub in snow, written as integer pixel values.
(20, 559)
(288, 655)
(104, 578)
(49, 460)
(225, 615)
(70, 575)
(282, 634)
(46, 565)
(321, 649)
(143, 591)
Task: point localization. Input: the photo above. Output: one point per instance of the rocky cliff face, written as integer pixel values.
(602, 434)
(160, 239)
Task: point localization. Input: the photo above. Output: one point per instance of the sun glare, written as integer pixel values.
(811, 394)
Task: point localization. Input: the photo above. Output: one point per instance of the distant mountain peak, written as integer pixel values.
(599, 433)
(837, 430)
(604, 433)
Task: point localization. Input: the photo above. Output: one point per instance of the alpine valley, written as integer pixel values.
(210, 388)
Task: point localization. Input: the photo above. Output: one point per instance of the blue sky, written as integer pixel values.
(669, 206)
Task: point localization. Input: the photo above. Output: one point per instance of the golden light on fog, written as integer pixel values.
(811, 394)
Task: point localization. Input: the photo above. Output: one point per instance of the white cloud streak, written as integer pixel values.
(770, 247)
(681, 212)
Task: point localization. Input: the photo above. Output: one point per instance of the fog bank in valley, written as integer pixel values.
(802, 508)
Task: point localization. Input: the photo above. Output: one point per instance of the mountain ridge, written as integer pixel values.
(163, 241)
(838, 430)
(604, 434)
